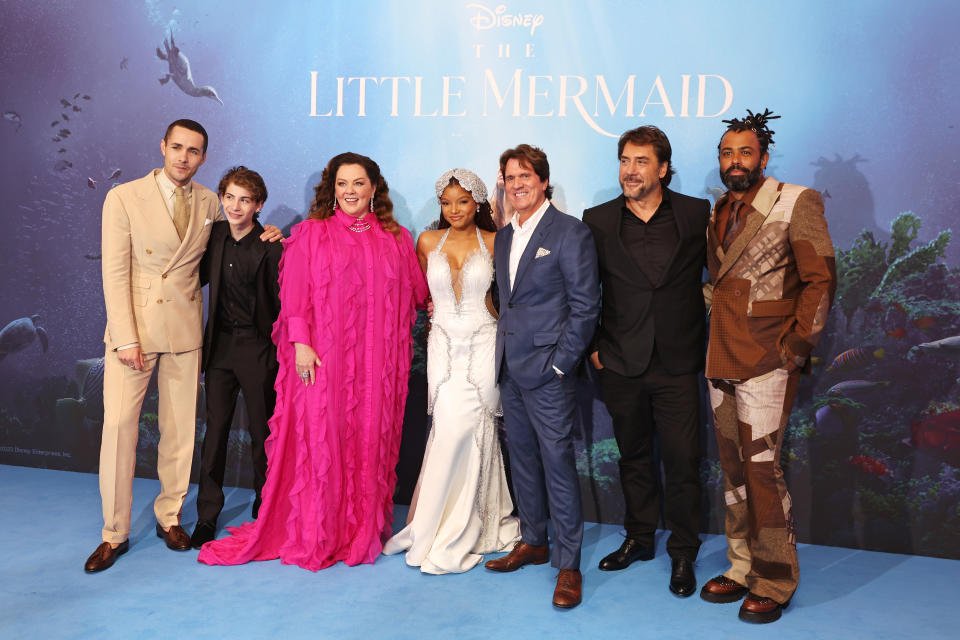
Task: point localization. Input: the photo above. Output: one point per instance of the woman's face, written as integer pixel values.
(353, 189)
(457, 207)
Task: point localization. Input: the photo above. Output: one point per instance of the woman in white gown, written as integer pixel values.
(461, 506)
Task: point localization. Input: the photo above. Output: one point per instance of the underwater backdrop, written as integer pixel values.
(867, 92)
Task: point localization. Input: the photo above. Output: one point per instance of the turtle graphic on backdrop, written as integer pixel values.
(18, 335)
(80, 420)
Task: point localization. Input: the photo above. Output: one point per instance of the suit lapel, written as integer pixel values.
(680, 220)
(536, 241)
(613, 225)
(756, 213)
(501, 257)
(216, 261)
(154, 208)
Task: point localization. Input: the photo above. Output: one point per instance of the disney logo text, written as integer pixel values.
(498, 17)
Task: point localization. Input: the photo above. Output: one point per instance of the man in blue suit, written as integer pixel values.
(546, 265)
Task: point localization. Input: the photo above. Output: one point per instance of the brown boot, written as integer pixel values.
(521, 554)
(761, 610)
(567, 595)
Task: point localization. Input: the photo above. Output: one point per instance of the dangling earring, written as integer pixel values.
(334, 205)
(371, 204)
(478, 208)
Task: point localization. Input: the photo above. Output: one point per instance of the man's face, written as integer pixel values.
(182, 155)
(741, 163)
(525, 190)
(640, 171)
(239, 206)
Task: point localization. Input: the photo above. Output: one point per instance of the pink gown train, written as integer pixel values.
(333, 446)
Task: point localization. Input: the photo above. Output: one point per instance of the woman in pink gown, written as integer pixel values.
(349, 285)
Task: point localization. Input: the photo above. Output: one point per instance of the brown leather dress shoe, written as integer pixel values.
(567, 595)
(722, 590)
(104, 556)
(175, 537)
(521, 554)
(761, 610)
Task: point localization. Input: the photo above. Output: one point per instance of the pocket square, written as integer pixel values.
(541, 252)
(207, 221)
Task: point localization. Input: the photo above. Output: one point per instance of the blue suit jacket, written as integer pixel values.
(549, 316)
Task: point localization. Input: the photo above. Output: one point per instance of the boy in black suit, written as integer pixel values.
(237, 350)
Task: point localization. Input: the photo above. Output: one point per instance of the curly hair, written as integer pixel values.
(756, 122)
(324, 198)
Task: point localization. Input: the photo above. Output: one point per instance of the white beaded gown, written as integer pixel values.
(461, 506)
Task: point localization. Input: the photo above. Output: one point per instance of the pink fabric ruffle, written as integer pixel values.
(333, 446)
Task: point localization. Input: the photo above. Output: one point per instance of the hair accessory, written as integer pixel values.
(756, 122)
(468, 180)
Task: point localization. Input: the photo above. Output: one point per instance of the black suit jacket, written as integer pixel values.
(637, 314)
(267, 305)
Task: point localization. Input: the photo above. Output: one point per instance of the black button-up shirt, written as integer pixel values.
(237, 297)
(651, 243)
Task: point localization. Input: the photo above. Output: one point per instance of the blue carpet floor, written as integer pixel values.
(51, 523)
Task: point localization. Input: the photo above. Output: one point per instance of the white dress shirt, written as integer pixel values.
(521, 237)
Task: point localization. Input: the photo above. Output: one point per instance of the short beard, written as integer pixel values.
(741, 183)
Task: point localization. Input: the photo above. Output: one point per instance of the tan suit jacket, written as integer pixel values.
(771, 292)
(150, 279)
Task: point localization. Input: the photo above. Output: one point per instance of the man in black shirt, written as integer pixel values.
(649, 348)
(238, 353)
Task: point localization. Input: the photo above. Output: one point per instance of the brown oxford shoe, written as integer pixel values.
(722, 590)
(104, 556)
(761, 610)
(567, 595)
(175, 537)
(521, 554)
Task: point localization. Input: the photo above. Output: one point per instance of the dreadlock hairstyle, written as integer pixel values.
(756, 122)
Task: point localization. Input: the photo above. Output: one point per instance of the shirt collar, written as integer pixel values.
(531, 222)
(168, 187)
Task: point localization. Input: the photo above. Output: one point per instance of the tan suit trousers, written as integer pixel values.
(123, 393)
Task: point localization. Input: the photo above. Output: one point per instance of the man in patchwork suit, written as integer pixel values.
(772, 279)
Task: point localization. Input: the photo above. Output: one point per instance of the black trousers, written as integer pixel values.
(238, 361)
(658, 405)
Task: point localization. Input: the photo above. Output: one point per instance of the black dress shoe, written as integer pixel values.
(629, 552)
(203, 533)
(104, 556)
(683, 582)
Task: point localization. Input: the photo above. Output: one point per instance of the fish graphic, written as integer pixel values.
(851, 388)
(869, 465)
(856, 358)
(14, 117)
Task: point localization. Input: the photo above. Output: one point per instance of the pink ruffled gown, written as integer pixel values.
(333, 446)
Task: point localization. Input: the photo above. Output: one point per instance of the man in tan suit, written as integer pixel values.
(155, 231)
(772, 279)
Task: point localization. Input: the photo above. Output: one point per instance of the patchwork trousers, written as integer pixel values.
(750, 418)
